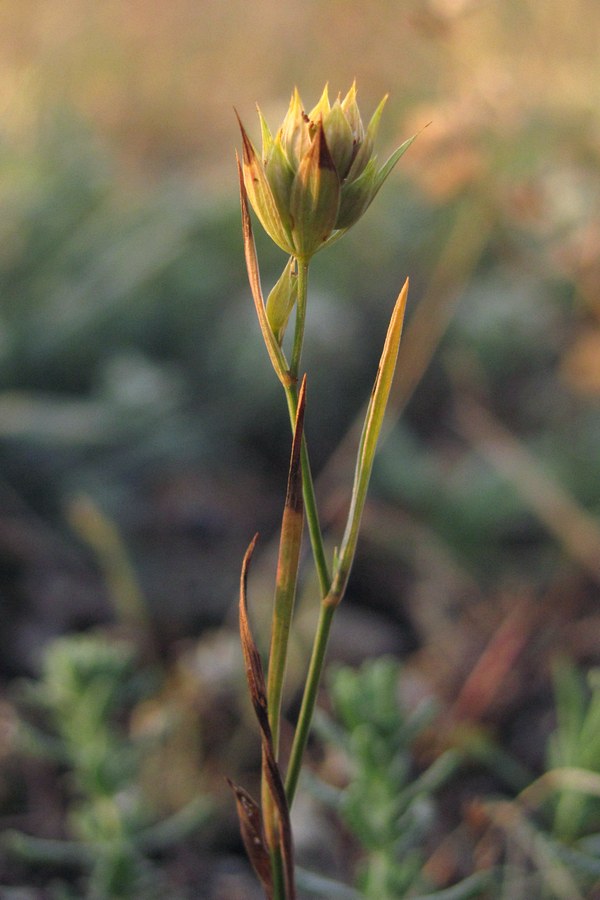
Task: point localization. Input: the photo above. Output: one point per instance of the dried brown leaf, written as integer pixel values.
(258, 695)
(254, 668)
(253, 836)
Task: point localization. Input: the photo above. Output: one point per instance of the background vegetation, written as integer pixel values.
(143, 439)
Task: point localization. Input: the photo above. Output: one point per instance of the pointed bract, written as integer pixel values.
(352, 113)
(365, 151)
(260, 194)
(274, 350)
(321, 110)
(314, 198)
(294, 135)
(340, 141)
(280, 176)
(267, 137)
(318, 175)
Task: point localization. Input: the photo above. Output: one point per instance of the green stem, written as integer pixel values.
(292, 526)
(309, 699)
(284, 602)
(277, 873)
(345, 558)
(316, 538)
(300, 317)
(291, 392)
(310, 502)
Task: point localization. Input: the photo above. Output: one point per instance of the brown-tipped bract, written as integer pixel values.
(318, 175)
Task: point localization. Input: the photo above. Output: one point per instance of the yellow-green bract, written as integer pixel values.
(318, 175)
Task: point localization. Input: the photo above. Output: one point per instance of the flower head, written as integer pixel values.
(318, 175)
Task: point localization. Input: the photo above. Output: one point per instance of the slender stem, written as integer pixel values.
(300, 317)
(343, 564)
(309, 699)
(278, 661)
(310, 502)
(292, 526)
(277, 873)
(291, 391)
(316, 538)
(312, 520)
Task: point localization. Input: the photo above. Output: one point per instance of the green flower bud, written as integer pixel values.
(318, 175)
(282, 300)
(314, 198)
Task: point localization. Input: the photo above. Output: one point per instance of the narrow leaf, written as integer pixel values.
(368, 445)
(391, 162)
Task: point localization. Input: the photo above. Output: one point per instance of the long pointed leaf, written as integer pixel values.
(391, 162)
(368, 445)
